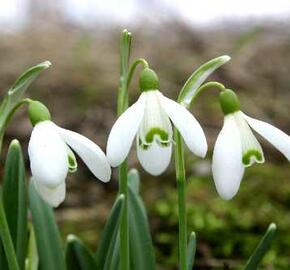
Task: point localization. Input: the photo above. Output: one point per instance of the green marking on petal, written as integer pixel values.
(163, 135)
(142, 145)
(72, 162)
(252, 156)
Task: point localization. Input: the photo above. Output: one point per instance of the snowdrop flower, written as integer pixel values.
(237, 147)
(149, 121)
(51, 157)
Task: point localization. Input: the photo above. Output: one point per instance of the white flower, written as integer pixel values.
(49, 153)
(237, 147)
(149, 121)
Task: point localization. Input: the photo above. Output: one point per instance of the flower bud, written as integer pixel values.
(38, 112)
(148, 80)
(229, 101)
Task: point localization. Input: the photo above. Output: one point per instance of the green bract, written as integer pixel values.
(13, 98)
(229, 101)
(38, 112)
(148, 80)
(190, 88)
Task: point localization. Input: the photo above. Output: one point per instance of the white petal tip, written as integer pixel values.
(52, 196)
(107, 176)
(203, 153)
(156, 159)
(227, 195)
(113, 162)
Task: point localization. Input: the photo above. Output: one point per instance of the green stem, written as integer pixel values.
(181, 181)
(6, 239)
(6, 115)
(125, 80)
(133, 67)
(206, 86)
(125, 47)
(124, 230)
(181, 187)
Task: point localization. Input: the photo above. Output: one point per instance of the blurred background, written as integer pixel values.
(80, 38)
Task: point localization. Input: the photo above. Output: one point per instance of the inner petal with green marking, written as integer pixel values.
(155, 125)
(252, 156)
(72, 162)
(251, 149)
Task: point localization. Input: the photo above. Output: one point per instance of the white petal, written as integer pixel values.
(155, 159)
(53, 196)
(123, 132)
(275, 136)
(227, 166)
(89, 152)
(48, 154)
(187, 125)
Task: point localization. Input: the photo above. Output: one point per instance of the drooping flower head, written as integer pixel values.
(51, 157)
(149, 121)
(237, 148)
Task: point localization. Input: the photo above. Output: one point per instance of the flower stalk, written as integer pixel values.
(181, 187)
(126, 76)
(125, 47)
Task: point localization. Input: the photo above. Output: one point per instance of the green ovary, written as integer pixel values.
(249, 155)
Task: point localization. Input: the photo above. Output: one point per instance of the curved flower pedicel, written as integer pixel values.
(237, 147)
(51, 157)
(149, 121)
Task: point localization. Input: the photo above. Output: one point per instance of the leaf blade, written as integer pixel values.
(191, 249)
(48, 240)
(6, 238)
(15, 201)
(32, 260)
(141, 249)
(78, 256)
(262, 248)
(110, 233)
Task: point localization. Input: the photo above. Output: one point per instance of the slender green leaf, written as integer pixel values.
(108, 242)
(198, 77)
(48, 240)
(134, 180)
(3, 260)
(32, 259)
(262, 248)
(78, 257)
(141, 248)
(6, 238)
(191, 249)
(15, 200)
